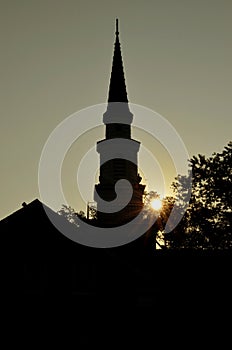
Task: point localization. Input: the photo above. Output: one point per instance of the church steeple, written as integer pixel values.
(118, 152)
(117, 88)
(118, 109)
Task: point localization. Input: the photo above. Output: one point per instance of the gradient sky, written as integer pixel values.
(56, 59)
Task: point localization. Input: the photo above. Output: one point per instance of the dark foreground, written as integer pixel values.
(44, 273)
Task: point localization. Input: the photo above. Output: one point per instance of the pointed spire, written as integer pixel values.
(117, 32)
(117, 88)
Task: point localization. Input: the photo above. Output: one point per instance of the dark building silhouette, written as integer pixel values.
(38, 259)
(118, 146)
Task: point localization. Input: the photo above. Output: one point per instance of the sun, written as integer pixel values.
(156, 204)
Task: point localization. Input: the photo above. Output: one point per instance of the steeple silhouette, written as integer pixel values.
(117, 88)
(117, 110)
(118, 151)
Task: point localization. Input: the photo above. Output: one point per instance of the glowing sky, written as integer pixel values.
(56, 59)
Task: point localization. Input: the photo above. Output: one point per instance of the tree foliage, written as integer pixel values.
(71, 215)
(207, 220)
(76, 218)
(155, 235)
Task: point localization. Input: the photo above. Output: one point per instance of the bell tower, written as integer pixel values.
(118, 153)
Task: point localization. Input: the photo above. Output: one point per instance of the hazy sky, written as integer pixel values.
(56, 59)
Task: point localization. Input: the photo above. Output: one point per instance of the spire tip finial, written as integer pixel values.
(117, 32)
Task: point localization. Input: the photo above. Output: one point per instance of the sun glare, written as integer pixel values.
(156, 204)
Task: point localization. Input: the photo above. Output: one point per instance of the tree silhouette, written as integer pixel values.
(71, 215)
(207, 221)
(155, 235)
(75, 217)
